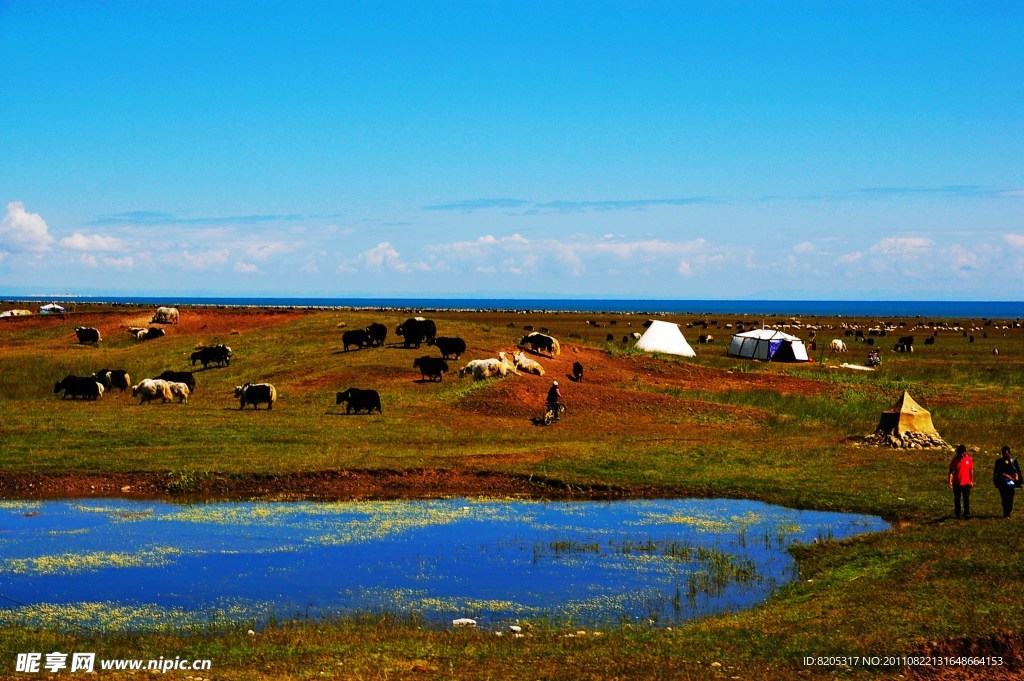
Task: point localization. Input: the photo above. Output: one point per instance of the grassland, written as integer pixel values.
(639, 425)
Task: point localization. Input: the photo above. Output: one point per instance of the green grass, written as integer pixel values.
(754, 430)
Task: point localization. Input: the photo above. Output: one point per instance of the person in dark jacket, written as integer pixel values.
(1006, 478)
(961, 480)
(554, 397)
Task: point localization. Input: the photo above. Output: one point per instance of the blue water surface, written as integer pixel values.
(116, 564)
(936, 309)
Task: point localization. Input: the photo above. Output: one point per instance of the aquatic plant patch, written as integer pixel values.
(130, 565)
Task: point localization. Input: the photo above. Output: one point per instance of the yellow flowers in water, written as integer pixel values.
(67, 563)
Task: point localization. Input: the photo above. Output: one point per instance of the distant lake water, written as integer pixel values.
(112, 565)
(846, 308)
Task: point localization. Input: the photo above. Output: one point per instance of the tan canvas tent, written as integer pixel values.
(906, 416)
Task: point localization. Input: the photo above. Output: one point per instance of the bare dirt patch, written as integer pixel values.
(319, 485)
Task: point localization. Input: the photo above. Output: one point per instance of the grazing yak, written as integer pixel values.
(358, 400)
(527, 365)
(705, 338)
(448, 346)
(837, 345)
(539, 341)
(87, 334)
(480, 369)
(79, 386)
(430, 368)
(151, 390)
(165, 315)
(415, 330)
(113, 378)
(216, 354)
(376, 333)
(185, 377)
(256, 394)
(180, 392)
(577, 372)
(905, 344)
(146, 334)
(356, 337)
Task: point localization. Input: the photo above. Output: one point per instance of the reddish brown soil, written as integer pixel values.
(319, 485)
(620, 395)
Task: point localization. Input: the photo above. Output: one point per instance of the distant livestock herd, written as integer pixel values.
(178, 386)
(88, 335)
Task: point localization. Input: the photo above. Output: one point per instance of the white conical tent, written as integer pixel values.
(665, 337)
(768, 345)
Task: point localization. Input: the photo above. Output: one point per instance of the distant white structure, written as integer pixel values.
(768, 345)
(666, 338)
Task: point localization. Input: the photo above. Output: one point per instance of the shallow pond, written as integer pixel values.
(114, 564)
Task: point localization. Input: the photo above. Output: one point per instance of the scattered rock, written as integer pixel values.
(908, 440)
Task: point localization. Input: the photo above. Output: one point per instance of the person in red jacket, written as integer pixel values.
(961, 480)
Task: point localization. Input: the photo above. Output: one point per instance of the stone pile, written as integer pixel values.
(908, 440)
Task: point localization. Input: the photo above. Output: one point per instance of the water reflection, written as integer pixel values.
(113, 564)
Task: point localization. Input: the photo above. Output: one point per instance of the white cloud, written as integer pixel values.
(963, 261)
(1015, 240)
(91, 242)
(261, 252)
(206, 259)
(850, 258)
(803, 247)
(903, 247)
(125, 264)
(481, 248)
(381, 257)
(515, 254)
(246, 268)
(21, 231)
(645, 250)
(88, 260)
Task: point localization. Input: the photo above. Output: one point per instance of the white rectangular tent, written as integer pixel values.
(768, 345)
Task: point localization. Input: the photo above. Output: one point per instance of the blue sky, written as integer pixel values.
(798, 150)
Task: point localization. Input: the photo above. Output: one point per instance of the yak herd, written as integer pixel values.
(178, 386)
